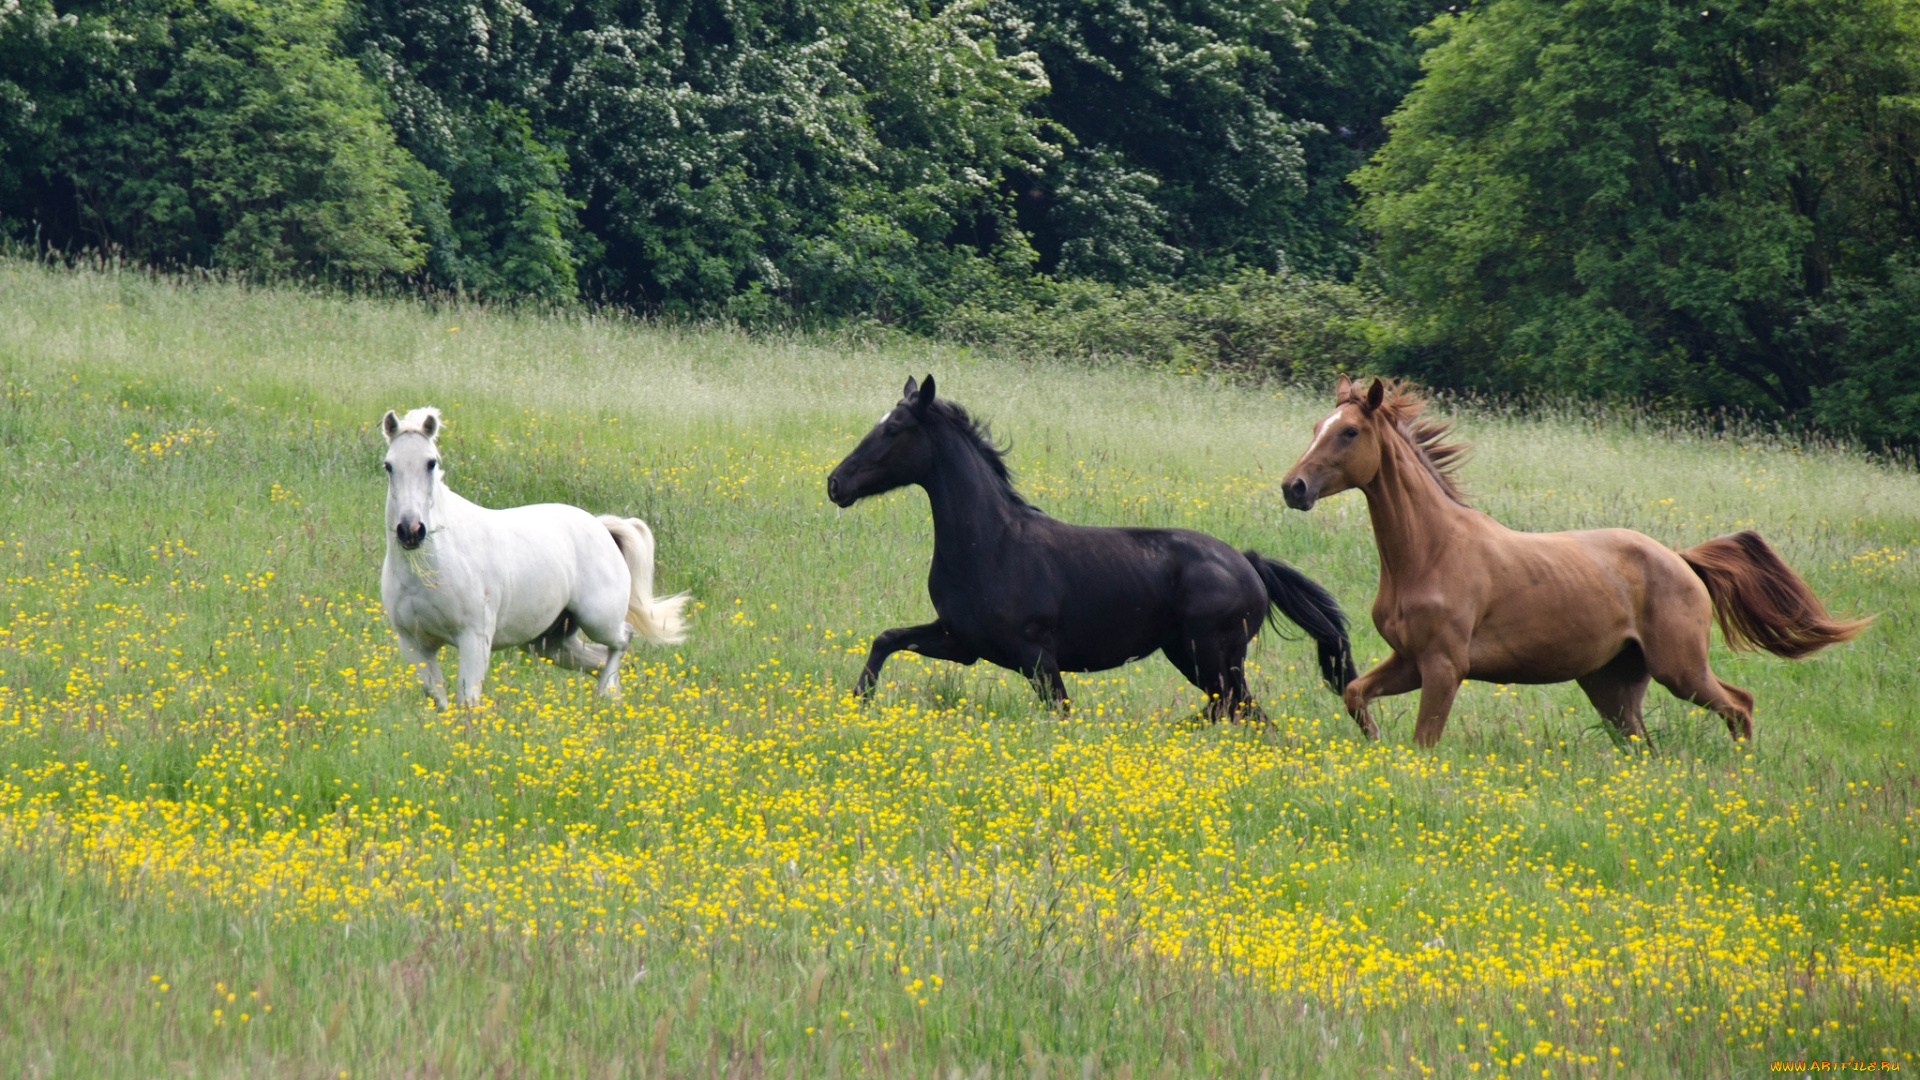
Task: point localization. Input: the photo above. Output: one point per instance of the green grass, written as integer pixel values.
(1121, 893)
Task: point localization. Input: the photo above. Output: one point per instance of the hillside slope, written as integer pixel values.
(233, 834)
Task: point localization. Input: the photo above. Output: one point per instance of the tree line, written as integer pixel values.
(1699, 205)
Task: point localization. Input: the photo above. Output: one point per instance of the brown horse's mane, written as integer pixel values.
(1402, 409)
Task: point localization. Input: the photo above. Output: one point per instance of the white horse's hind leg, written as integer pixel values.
(572, 652)
(476, 653)
(610, 674)
(584, 655)
(426, 660)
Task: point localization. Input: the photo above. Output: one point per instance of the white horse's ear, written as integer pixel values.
(430, 426)
(390, 425)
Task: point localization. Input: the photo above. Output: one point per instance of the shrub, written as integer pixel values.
(1279, 325)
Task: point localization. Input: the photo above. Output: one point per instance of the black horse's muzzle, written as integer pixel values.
(411, 534)
(837, 492)
(1298, 494)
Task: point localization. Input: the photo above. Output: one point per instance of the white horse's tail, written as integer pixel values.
(656, 620)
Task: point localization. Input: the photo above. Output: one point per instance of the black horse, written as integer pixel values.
(1016, 588)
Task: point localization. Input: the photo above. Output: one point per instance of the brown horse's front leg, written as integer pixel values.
(1439, 682)
(1394, 675)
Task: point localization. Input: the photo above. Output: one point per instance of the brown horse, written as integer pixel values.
(1464, 597)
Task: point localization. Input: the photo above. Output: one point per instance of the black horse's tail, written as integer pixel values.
(1313, 609)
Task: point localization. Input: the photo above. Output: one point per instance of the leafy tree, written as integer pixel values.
(1210, 134)
(1704, 203)
(829, 155)
(1361, 59)
(1185, 152)
(227, 133)
(1871, 335)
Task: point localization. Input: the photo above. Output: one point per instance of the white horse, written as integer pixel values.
(536, 576)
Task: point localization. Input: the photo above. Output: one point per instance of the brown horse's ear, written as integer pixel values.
(1376, 394)
(924, 398)
(1342, 388)
(390, 425)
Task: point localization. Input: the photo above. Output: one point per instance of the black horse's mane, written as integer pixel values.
(980, 440)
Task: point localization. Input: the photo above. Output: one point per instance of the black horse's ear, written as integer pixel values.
(1376, 394)
(390, 425)
(924, 398)
(912, 389)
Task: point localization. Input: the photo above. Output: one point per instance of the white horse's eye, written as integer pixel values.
(387, 465)
(431, 464)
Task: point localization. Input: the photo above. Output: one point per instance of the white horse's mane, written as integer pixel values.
(416, 421)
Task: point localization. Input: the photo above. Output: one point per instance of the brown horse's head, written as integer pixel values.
(1348, 445)
(1345, 452)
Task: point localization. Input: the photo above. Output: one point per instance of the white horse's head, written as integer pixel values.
(413, 473)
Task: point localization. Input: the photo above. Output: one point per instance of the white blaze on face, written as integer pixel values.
(1320, 432)
(883, 418)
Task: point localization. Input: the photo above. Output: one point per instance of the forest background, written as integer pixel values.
(1697, 205)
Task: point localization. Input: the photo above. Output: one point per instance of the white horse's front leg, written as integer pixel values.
(426, 661)
(476, 653)
(610, 674)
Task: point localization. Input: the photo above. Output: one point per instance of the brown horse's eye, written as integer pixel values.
(1350, 433)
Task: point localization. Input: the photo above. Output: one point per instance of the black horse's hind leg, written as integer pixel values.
(1223, 671)
(1219, 669)
(928, 639)
(1044, 674)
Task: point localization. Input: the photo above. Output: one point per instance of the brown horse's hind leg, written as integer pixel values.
(1705, 689)
(1678, 661)
(1676, 640)
(1618, 689)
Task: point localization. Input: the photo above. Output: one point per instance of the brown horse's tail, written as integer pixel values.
(1761, 602)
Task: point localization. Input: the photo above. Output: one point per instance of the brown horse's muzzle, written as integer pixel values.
(1298, 494)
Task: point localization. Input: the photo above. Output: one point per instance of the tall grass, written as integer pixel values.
(221, 791)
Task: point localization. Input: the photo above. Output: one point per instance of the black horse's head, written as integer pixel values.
(898, 451)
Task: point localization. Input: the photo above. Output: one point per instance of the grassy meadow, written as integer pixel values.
(235, 840)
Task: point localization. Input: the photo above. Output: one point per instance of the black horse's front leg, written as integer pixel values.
(929, 639)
